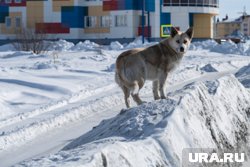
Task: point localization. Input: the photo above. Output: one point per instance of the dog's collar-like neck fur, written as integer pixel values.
(167, 50)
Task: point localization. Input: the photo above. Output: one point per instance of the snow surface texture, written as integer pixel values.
(47, 101)
(211, 114)
(244, 75)
(227, 47)
(63, 45)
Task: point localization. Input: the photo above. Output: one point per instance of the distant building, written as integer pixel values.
(228, 27)
(245, 25)
(106, 20)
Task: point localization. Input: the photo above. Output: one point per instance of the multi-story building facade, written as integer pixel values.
(245, 25)
(107, 19)
(229, 26)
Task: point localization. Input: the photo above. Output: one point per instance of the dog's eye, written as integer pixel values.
(178, 41)
(185, 41)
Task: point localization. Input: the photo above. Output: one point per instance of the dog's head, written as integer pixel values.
(180, 41)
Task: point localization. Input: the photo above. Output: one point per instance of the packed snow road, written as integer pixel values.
(47, 102)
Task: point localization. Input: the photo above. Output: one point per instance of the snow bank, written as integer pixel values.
(244, 76)
(116, 45)
(4, 107)
(110, 68)
(7, 47)
(211, 114)
(208, 68)
(227, 47)
(85, 46)
(61, 45)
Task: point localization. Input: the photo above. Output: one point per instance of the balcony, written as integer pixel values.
(193, 3)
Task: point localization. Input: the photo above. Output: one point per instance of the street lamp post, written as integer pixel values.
(143, 21)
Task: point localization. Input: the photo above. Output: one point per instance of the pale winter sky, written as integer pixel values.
(233, 7)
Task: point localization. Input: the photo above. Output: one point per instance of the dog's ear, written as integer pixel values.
(173, 32)
(190, 32)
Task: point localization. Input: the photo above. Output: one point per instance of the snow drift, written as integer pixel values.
(227, 47)
(210, 114)
(244, 75)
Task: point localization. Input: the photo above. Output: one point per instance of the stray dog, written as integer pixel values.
(134, 67)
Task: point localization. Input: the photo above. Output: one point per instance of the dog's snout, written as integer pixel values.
(182, 49)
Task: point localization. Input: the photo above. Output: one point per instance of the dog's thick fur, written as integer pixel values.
(134, 67)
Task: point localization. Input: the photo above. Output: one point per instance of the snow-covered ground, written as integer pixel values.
(63, 108)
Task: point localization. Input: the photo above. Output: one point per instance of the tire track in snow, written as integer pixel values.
(12, 120)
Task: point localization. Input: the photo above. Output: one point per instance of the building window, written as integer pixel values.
(18, 22)
(120, 20)
(199, 2)
(206, 2)
(176, 2)
(8, 22)
(90, 21)
(105, 21)
(211, 3)
(215, 3)
(8, 1)
(167, 2)
(18, 1)
(192, 2)
(184, 2)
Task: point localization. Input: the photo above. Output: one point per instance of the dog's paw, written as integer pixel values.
(163, 97)
(157, 98)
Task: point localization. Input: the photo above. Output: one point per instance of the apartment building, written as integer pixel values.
(245, 25)
(106, 20)
(229, 26)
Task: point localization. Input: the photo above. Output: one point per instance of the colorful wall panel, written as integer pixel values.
(58, 4)
(35, 12)
(52, 28)
(128, 5)
(4, 12)
(73, 16)
(12, 29)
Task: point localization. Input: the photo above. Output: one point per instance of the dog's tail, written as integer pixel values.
(121, 81)
(120, 73)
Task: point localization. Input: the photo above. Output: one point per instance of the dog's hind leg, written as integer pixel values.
(135, 93)
(162, 84)
(126, 96)
(137, 99)
(156, 90)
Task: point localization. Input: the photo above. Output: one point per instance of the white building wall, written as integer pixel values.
(22, 10)
(180, 18)
(126, 31)
(155, 21)
(49, 15)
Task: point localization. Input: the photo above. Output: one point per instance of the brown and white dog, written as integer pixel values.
(134, 67)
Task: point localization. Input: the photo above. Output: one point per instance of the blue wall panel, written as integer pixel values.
(150, 5)
(4, 12)
(165, 18)
(73, 16)
(191, 19)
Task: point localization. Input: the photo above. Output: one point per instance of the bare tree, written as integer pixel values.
(31, 40)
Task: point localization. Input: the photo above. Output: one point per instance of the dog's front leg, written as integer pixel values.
(162, 84)
(156, 89)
